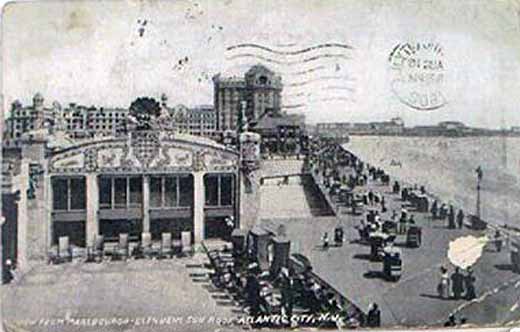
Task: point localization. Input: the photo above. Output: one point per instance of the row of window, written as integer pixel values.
(167, 191)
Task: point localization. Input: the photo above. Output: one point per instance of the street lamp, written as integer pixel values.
(479, 180)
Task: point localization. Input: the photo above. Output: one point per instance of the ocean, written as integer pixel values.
(447, 166)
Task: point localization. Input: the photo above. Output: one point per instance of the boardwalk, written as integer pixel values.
(413, 300)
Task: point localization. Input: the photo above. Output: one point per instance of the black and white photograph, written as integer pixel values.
(241, 165)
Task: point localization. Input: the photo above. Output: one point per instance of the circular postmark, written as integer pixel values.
(418, 73)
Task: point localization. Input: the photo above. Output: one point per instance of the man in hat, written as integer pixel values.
(460, 219)
(383, 204)
(443, 212)
(451, 218)
(469, 283)
(374, 316)
(498, 241)
(253, 294)
(434, 209)
(457, 283)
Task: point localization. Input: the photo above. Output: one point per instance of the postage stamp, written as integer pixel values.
(418, 75)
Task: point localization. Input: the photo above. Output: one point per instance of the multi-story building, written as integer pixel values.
(339, 129)
(281, 133)
(202, 121)
(76, 121)
(198, 120)
(26, 118)
(259, 90)
(79, 121)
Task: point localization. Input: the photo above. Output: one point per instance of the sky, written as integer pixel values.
(107, 53)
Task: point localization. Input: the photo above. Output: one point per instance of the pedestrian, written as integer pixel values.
(457, 284)
(498, 241)
(371, 197)
(383, 204)
(404, 213)
(434, 209)
(443, 288)
(402, 224)
(374, 316)
(287, 291)
(404, 194)
(377, 198)
(451, 218)
(325, 241)
(338, 235)
(469, 283)
(411, 221)
(8, 271)
(253, 295)
(395, 188)
(460, 218)
(443, 211)
(451, 321)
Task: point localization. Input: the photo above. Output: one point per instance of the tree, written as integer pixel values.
(142, 110)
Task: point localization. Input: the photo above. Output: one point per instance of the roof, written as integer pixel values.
(259, 68)
(272, 121)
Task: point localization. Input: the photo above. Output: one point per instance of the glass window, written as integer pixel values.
(186, 190)
(136, 190)
(60, 194)
(155, 191)
(170, 191)
(77, 194)
(120, 192)
(211, 189)
(105, 191)
(226, 190)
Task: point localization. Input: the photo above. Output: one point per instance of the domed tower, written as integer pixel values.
(16, 105)
(38, 101)
(265, 88)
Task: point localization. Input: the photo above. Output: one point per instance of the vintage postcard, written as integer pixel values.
(229, 165)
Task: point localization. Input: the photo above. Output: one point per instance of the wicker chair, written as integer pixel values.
(121, 251)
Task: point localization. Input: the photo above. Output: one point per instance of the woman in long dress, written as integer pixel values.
(443, 287)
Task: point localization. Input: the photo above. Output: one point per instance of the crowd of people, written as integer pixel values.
(457, 286)
(444, 212)
(342, 174)
(239, 273)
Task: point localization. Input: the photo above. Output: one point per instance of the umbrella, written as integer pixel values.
(465, 251)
